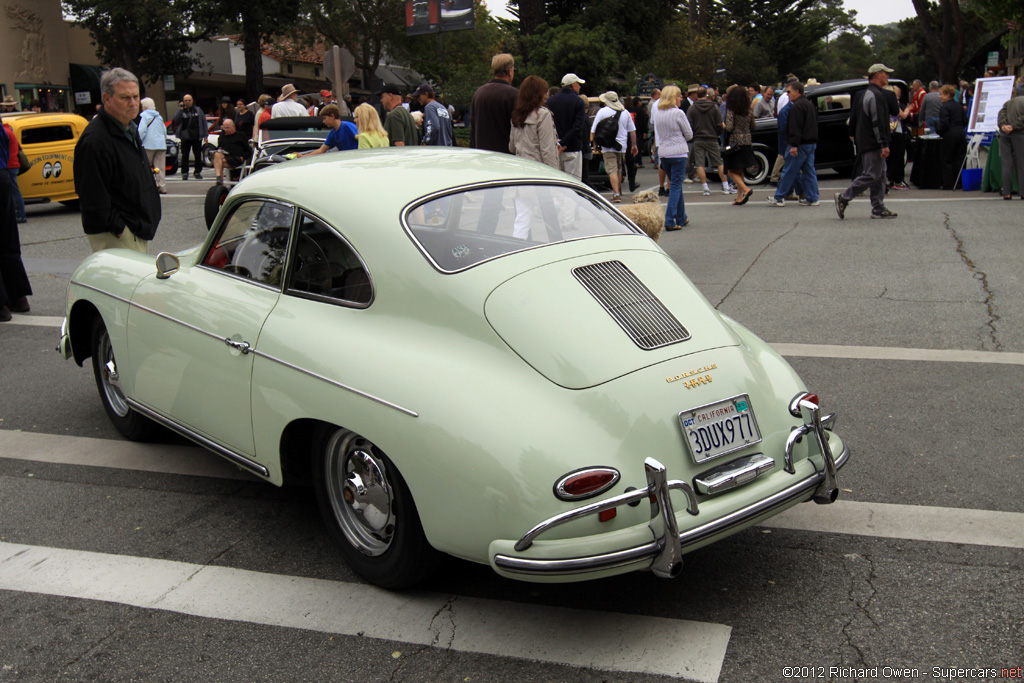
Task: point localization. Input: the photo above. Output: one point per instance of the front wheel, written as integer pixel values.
(370, 512)
(208, 151)
(108, 380)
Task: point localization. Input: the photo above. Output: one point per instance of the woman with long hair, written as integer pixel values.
(533, 136)
(739, 153)
(673, 130)
(371, 133)
(533, 133)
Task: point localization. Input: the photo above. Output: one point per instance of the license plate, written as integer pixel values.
(719, 428)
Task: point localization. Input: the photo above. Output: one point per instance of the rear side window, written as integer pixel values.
(838, 101)
(45, 134)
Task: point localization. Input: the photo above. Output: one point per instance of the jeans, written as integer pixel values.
(801, 165)
(675, 210)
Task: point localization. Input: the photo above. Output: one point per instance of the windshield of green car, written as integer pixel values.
(462, 229)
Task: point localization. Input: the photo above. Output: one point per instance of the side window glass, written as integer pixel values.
(326, 266)
(839, 101)
(253, 242)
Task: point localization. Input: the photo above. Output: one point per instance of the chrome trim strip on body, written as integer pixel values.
(267, 356)
(358, 392)
(203, 441)
(604, 561)
(100, 291)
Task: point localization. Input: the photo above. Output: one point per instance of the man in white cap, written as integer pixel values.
(869, 126)
(288, 104)
(613, 148)
(570, 115)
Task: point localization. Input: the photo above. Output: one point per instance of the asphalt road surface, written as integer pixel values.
(161, 562)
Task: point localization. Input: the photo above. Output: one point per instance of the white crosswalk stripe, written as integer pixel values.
(602, 640)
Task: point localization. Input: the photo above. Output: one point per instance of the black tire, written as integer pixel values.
(104, 366)
(171, 167)
(215, 197)
(757, 173)
(369, 511)
(71, 204)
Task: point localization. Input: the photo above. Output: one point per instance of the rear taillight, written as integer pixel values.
(585, 483)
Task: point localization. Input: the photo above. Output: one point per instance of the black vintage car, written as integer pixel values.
(835, 150)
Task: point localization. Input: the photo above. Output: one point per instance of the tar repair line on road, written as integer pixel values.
(583, 638)
(883, 520)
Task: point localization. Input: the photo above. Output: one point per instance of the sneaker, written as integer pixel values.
(841, 206)
(901, 186)
(670, 228)
(733, 189)
(707, 191)
(220, 180)
(883, 213)
(184, 176)
(805, 202)
(775, 202)
(689, 180)
(199, 176)
(616, 198)
(662, 192)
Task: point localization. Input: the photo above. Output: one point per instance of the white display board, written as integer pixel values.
(990, 94)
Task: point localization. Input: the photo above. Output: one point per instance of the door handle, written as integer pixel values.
(239, 345)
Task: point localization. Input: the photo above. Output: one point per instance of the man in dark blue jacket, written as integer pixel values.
(869, 128)
(570, 115)
(114, 181)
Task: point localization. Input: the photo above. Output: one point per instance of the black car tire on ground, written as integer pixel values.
(215, 197)
(171, 167)
(131, 424)
(369, 510)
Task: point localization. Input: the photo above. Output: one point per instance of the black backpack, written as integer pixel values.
(606, 130)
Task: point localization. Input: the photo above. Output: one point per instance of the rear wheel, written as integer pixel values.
(215, 197)
(108, 380)
(756, 173)
(208, 151)
(369, 511)
(172, 166)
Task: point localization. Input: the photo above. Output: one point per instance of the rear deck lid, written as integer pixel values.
(584, 321)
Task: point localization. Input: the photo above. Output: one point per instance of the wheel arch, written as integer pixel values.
(80, 322)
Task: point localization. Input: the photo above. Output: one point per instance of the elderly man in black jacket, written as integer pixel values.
(113, 178)
(869, 129)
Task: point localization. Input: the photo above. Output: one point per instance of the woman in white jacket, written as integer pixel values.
(533, 137)
(673, 129)
(153, 133)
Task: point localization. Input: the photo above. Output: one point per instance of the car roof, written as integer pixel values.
(839, 86)
(21, 118)
(388, 179)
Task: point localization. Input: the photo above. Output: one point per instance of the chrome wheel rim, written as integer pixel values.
(362, 497)
(110, 379)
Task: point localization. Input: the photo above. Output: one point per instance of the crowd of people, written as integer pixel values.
(119, 158)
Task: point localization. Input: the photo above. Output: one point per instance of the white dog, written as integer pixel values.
(647, 212)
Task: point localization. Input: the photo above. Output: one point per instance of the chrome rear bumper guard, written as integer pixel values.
(667, 548)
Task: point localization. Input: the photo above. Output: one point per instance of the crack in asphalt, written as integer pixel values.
(443, 621)
(752, 263)
(863, 604)
(982, 278)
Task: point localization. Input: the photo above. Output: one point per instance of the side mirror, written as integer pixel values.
(166, 265)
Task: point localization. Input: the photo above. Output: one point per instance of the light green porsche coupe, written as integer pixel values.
(464, 353)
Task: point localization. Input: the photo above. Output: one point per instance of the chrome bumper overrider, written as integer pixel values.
(667, 547)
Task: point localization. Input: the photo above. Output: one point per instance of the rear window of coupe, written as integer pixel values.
(44, 134)
(462, 229)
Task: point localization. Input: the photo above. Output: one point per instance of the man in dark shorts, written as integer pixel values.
(232, 150)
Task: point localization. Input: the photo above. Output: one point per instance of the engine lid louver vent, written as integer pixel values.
(637, 311)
